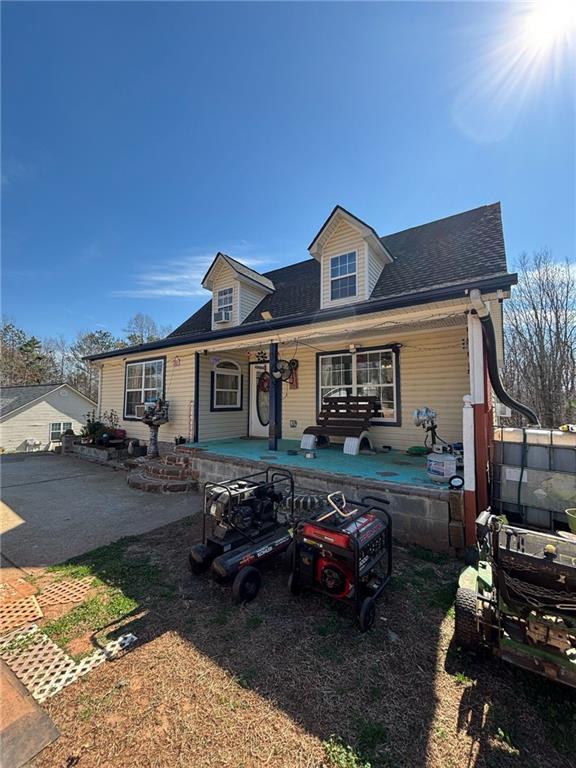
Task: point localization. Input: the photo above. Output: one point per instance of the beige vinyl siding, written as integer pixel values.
(179, 369)
(214, 425)
(375, 266)
(433, 372)
(344, 239)
(225, 277)
(34, 420)
(250, 297)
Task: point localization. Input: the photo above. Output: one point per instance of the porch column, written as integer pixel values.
(275, 395)
(196, 405)
(469, 472)
(479, 389)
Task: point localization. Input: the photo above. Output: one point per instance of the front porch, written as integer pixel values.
(394, 467)
(423, 512)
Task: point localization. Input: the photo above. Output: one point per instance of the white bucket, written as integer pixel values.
(441, 466)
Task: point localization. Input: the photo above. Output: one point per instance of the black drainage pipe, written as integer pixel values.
(494, 373)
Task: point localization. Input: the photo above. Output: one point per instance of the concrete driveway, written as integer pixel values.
(55, 507)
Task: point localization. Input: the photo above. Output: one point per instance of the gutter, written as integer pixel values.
(458, 291)
(490, 341)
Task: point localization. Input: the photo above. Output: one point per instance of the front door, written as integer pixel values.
(259, 400)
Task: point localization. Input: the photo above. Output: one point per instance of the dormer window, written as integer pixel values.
(343, 276)
(224, 305)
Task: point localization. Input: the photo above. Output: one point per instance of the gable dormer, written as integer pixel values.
(236, 290)
(351, 257)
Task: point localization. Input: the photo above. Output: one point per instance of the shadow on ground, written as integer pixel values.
(211, 684)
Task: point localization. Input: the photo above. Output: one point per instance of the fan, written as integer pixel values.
(282, 370)
(426, 418)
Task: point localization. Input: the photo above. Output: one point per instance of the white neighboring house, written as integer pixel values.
(34, 417)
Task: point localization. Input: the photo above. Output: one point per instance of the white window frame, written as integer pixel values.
(63, 426)
(354, 386)
(348, 274)
(225, 306)
(142, 389)
(237, 372)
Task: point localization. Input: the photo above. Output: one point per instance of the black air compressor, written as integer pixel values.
(241, 528)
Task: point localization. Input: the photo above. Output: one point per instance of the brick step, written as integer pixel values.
(180, 459)
(185, 449)
(138, 479)
(159, 469)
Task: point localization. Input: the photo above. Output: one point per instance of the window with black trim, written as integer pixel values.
(226, 386)
(372, 373)
(343, 276)
(144, 384)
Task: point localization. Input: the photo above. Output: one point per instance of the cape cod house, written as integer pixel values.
(387, 316)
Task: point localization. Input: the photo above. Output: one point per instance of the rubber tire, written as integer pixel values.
(198, 567)
(367, 615)
(246, 585)
(289, 555)
(466, 634)
(293, 585)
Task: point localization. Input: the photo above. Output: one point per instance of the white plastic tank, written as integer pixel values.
(440, 467)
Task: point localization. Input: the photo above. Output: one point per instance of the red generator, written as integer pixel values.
(346, 553)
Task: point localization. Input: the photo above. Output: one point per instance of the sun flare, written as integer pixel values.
(548, 23)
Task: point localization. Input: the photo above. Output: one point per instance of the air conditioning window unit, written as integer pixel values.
(222, 316)
(139, 410)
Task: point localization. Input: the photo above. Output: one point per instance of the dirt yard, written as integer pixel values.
(286, 682)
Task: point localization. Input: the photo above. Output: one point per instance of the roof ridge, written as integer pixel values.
(442, 218)
(21, 386)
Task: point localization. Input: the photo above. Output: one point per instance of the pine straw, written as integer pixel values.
(211, 685)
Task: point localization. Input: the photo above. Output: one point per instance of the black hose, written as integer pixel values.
(493, 372)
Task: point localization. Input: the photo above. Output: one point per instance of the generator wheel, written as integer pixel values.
(367, 615)
(289, 555)
(200, 557)
(294, 585)
(466, 632)
(246, 585)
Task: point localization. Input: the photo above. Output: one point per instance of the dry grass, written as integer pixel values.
(285, 682)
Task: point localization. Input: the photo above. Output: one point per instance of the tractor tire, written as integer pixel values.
(367, 615)
(246, 585)
(466, 633)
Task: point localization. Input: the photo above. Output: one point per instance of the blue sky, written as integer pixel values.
(140, 138)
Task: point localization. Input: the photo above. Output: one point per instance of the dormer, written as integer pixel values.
(236, 290)
(351, 257)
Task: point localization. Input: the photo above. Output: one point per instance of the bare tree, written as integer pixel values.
(540, 334)
(142, 329)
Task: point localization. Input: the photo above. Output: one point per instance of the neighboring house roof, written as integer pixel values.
(430, 262)
(240, 269)
(13, 398)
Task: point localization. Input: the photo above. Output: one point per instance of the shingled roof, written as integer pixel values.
(462, 247)
(12, 398)
(439, 260)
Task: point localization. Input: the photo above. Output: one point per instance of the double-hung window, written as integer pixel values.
(225, 299)
(372, 373)
(343, 276)
(144, 384)
(57, 429)
(226, 386)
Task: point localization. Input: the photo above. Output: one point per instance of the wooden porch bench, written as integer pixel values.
(347, 417)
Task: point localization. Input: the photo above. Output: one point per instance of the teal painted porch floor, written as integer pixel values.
(390, 467)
